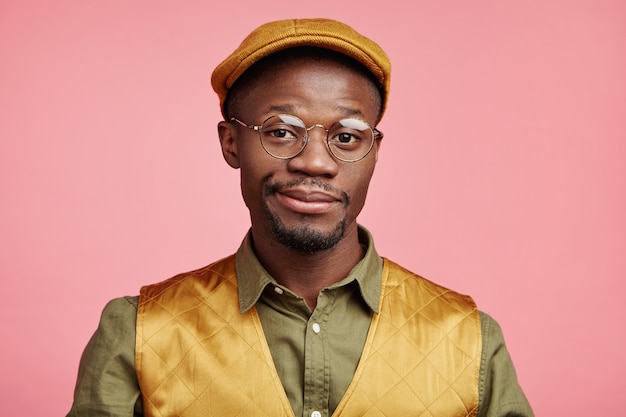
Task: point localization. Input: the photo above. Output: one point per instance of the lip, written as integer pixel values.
(306, 201)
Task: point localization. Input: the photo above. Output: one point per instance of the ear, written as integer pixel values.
(228, 140)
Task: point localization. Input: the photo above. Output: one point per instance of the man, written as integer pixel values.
(306, 319)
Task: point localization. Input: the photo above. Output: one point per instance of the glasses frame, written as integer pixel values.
(376, 134)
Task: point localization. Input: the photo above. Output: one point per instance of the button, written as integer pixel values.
(279, 290)
(316, 414)
(316, 329)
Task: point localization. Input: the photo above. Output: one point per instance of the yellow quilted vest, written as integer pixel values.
(197, 356)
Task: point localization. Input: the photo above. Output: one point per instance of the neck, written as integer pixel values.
(306, 274)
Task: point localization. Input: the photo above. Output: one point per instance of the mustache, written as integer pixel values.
(274, 187)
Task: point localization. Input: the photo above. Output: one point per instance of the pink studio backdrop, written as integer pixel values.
(502, 173)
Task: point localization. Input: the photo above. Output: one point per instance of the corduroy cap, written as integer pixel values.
(276, 36)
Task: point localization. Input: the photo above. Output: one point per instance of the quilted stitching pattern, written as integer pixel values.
(204, 366)
(423, 349)
(200, 357)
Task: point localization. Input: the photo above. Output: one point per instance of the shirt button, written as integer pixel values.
(316, 414)
(278, 290)
(316, 329)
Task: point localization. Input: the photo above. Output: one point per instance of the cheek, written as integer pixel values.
(255, 171)
(251, 186)
(360, 180)
(248, 175)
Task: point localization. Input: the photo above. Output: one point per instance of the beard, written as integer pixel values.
(303, 238)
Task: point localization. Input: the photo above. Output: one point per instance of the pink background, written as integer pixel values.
(502, 173)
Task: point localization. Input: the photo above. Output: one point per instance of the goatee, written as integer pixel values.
(303, 238)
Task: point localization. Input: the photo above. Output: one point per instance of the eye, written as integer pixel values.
(346, 137)
(280, 132)
(349, 133)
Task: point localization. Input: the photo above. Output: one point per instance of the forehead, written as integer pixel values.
(300, 56)
(301, 68)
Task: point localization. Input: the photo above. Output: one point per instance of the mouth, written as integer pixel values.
(306, 201)
(310, 197)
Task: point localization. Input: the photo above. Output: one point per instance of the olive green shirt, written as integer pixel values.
(315, 352)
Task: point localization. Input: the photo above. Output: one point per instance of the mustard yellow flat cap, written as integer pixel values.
(276, 36)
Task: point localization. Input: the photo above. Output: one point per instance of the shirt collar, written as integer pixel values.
(253, 278)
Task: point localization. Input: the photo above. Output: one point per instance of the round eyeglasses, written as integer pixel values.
(284, 136)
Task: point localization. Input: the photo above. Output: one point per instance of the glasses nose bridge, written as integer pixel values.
(320, 126)
(307, 139)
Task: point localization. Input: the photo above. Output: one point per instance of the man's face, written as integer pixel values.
(308, 202)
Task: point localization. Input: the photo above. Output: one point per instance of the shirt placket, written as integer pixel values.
(316, 360)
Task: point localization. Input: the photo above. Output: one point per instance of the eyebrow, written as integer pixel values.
(290, 108)
(283, 108)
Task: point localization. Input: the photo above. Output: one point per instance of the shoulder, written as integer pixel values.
(395, 275)
(499, 389)
(121, 305)
(118, 318)
(211, 275)
(107, 383)
(493, 338)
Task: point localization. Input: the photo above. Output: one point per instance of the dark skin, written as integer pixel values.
(313, 193)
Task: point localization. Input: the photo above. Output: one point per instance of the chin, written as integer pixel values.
(305, 238)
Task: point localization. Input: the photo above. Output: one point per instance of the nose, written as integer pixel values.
(315, 159)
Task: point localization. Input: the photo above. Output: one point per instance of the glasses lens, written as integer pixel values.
(350, 139)
(283, 136)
